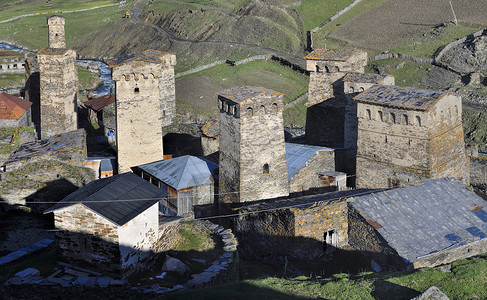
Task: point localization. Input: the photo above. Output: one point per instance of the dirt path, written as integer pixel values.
(60, 12)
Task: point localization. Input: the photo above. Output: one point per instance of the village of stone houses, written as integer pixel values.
(119, 191)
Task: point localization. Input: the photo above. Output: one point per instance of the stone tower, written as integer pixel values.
(325, 115)
(252, 149)
(56, 31)
(408, 134)
(145, 103)
(58, 78)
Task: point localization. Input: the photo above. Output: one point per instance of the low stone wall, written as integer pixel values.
(420, 60)
(453, 44)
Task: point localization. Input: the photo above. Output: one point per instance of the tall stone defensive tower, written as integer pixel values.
(252, 150)
(58, 83)
(325, 115)
(145, 102)
(56, 31)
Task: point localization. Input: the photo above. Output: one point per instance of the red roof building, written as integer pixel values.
(12, 107)
(99, 103)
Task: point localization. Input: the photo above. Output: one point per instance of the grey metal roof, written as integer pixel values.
(181, 172)
(297, 155)
(420, 220)
(396, 96)
(106, 197)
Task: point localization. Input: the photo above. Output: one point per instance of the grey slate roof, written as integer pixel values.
(103, 197)
(182, 172)
(396, 96)
(241, 93)
(297, 155)
(420, 220)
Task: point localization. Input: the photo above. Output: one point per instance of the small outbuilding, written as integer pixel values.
(434, 223)
(189, 180)
(14, 111)
(112, 225)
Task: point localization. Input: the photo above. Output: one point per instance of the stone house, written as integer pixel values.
(145, 103)
(408, 134)
(189, 180)
(102, 112)
(113, 225)
(69, 148)
(102, 166)
(433, 223)
(307, 167)
(14, 111)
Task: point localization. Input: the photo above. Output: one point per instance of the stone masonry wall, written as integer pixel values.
(313, 222)
(144, 104)
(56, 31)
(251, 137)
(364, 238)
(86, 239)
(58, 93)
(308, 176)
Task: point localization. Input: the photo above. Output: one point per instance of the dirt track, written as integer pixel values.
(396, 21)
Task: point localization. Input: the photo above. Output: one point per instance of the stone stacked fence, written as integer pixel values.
(421, 60)
(458, 42)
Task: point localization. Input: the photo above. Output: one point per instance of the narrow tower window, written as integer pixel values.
(393, 118)
(369, 117)
(266, 169)
(405, 119)
(418, 120)
(136, 90)
(381, 116)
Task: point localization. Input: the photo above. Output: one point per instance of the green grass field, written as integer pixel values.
(315, 12)
(406, 73)
(466, 281)
(360, 8)
(423, 45)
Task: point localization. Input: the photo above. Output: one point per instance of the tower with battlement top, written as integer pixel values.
(145, 103)
(58, 78)
(252, 150)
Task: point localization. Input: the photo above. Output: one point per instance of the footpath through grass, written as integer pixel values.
(466, 281)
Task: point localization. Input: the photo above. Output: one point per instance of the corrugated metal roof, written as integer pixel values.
(297, 155)
(182, 172)
(103, 197)
(241, 93)
(331, 54)
(99, 103)
(12, 107)
(420, 220)
(396, 96)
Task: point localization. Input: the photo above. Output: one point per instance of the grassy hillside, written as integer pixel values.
(465, 281)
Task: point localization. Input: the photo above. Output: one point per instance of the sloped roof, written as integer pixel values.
(153, 56)
(331, 54)
(420, 220)
(297, 155)
(211, 128)
(101, 102)
(12, 107)
(396, 96)
(119, 198)
(241, 93)
(181, 172)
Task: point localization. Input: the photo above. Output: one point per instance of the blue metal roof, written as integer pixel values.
(182, 172)
(297, 155)
(420, 220)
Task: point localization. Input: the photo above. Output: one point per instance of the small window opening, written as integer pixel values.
(418, 120)
(369, 116)
(330, 241)
(318, 69)
(136, 90)
(386, 138)
(163, 113)
(250, 111)
(405, 118)
(266, 169)
(393, 118)
(235, 110)
(381, 116)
